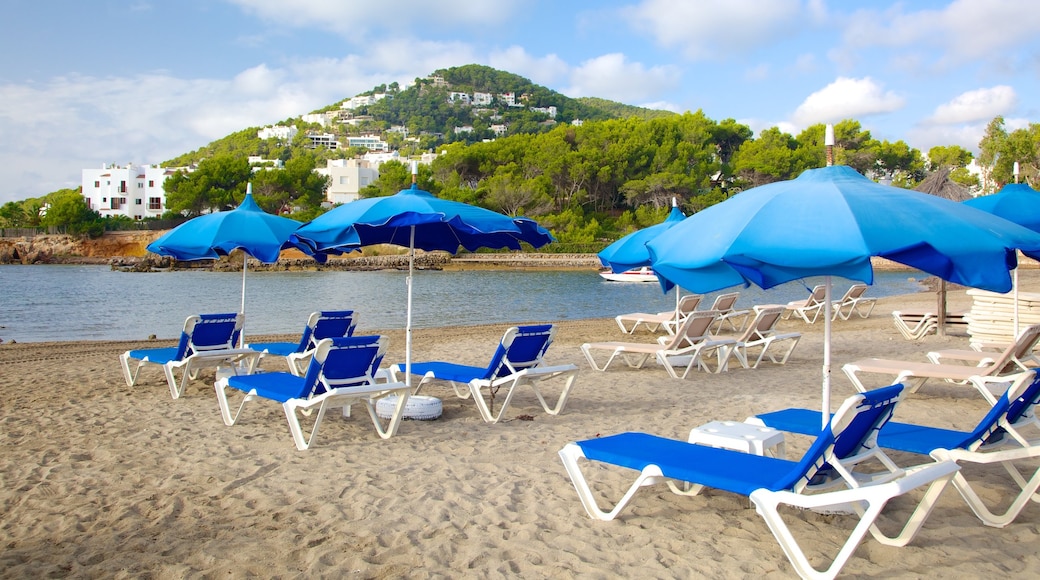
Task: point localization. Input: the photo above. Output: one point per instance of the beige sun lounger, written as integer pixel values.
(915, 374)
(810, 308)
(761, 333)
(728, 314)
(662, 320)
(914, 324)
(694, 340)
(853, 302)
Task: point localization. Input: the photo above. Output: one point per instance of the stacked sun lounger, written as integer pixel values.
(992, 316)
(914, 324)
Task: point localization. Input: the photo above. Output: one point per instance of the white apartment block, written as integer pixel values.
(370, 142)
(362, 101)
(277, 132)
(327, 140)
(346, 178)
(319, 118)
(134, 191)
(481, 99)
(454, 97)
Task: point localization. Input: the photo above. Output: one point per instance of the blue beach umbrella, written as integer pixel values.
(210, 236)
(414, 218)
(830, 222)
(630, 251)
(1016, 202)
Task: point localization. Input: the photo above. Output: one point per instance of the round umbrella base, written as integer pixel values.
(418, 407)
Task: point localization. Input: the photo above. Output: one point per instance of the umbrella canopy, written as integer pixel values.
(830, 222)
(630, 251)
(1016, 202)
(209, 236)
(414, 218)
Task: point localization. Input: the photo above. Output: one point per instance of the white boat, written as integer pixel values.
(644, 274)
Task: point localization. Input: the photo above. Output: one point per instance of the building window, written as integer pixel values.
(122, 187)
(137, 201)
(151, 183)
(154, 203)
(140, 185)
(97, 185)
(114, 204)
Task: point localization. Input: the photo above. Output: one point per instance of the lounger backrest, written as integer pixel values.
(326, 324)
(688, 304)
(1018, 401)
(725, 302)
(209, 332)
(342, 362)
(763, 324)
(521, 347)
(852, 429)
(854, 292)
(695, 328)
(1018, 350)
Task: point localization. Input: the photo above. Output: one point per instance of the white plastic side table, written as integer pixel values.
(741, 437)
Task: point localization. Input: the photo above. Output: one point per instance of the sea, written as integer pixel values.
(43, 303)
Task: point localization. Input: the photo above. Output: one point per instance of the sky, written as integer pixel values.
(142, 81)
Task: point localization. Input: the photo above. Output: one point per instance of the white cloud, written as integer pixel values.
(846, 98)
(547, 70)
(962, 29)
(611, 76)
(977, 105)
(663, 106)
(714, 28)
(83, 121)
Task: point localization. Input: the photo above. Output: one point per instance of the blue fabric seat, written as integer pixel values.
(769, 482)
(340, 374)
(321, 324)
(997, 438)
(206, 341)
(517, 360)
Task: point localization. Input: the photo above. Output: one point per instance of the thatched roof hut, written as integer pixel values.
(939, 184)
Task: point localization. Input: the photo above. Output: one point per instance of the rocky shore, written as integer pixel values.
(127, 251)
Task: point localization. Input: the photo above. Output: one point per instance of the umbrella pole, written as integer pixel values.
(242, 308)
(408, 315)
(1014, 332)
(826, 415)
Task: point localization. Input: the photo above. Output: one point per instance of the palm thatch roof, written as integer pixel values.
(938, 183)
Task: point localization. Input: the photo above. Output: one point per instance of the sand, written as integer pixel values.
(103, 480)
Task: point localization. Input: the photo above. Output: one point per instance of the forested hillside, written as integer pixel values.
(595, 171)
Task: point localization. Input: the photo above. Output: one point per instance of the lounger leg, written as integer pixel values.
(302, 443)
(395, 419)
(1027, 489)
(221, 387)
(571, 453)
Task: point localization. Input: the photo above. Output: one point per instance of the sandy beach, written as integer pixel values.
(105, 481)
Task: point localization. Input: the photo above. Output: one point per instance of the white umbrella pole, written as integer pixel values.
(408, 315)
(242, 308)
(1014, 333)
(826, 415)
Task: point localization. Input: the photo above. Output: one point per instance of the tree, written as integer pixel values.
(68, 209)
(218, 183)
(951, 156)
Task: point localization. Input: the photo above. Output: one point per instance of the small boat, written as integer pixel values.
(644, 274)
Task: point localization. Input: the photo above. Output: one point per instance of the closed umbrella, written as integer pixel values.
(1016, 202)
(830, 222)
(414, 218)
(210, 236)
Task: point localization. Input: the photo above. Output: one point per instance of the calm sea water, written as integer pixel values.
(57, 303)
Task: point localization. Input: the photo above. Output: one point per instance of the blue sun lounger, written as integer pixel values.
(340, 374)
(998, 438)
(687, 468)
(517, 361)
(322, 324)
(207, 340)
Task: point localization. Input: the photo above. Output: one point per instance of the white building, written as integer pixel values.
(134, 191)
(327, 140)
(481, 99)
(277, 132)
(362, 101)
(346, 178)
(370, 142)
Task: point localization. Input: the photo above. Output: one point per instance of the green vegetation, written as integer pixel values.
(590, 182)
